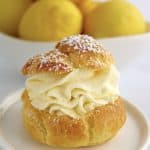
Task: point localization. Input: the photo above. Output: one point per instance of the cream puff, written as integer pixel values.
(71, 98)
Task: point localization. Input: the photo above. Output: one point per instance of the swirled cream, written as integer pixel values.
(73, 94)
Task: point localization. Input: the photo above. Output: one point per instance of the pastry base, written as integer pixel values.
(95, 127)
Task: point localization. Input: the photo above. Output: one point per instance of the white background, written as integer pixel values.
(144, 6)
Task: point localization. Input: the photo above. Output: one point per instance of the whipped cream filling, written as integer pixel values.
(73, 94)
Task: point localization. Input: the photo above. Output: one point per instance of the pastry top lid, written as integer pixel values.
(84, 51)
(80, 43)
(51, 61)
(79, 51)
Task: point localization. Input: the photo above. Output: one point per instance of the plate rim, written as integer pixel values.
(7, 103)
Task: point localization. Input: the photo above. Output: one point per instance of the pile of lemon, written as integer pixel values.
(52, 20)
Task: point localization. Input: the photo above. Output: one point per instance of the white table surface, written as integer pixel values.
(144, 6)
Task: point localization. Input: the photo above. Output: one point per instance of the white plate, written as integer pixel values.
(134, 135)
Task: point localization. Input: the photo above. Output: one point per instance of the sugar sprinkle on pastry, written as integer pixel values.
(52, 61)
(83, 43)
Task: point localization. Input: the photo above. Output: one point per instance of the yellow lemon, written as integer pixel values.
(50, 20)
(114, 18)
(85, 5)
(11, 12)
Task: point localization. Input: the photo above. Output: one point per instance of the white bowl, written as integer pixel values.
(124, 48)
